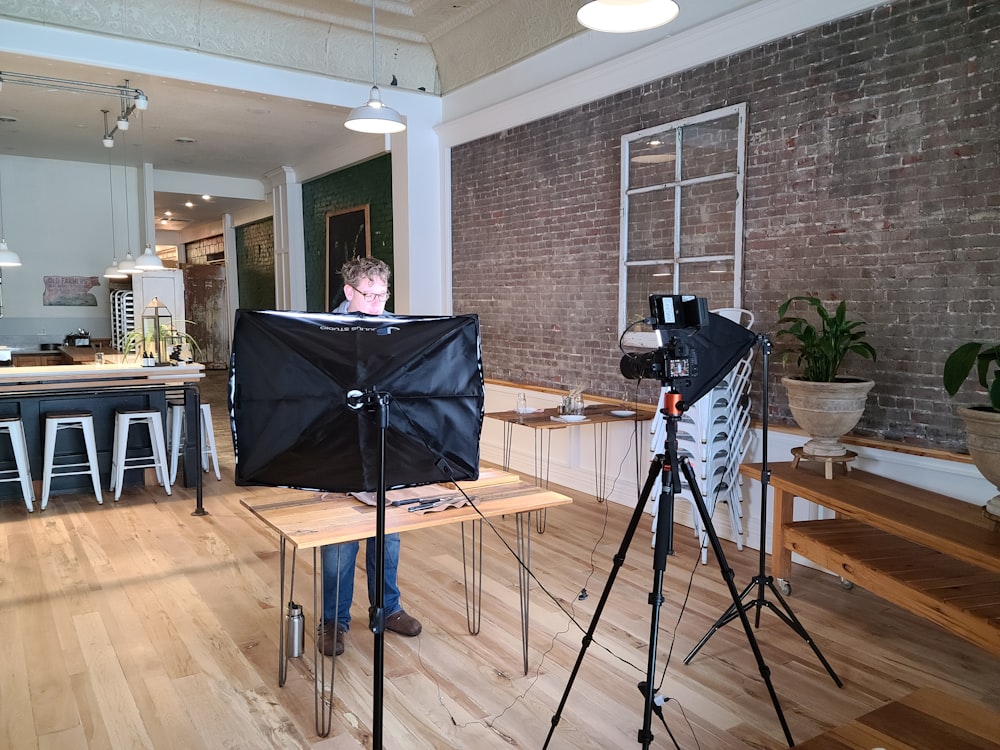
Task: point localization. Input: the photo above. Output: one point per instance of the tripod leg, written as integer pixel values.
(655, 467)
(740, 609)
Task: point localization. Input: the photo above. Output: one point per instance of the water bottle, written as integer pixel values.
(295, 631)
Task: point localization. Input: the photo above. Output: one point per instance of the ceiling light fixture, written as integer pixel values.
(8, 258)
(112, 271)
(127, 264)
(374, 116)
(149, 260)
(625, 16)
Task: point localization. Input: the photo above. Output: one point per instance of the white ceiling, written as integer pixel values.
(436, 45)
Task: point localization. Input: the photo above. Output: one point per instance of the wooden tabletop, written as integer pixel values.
(313, 519)
(548, 419)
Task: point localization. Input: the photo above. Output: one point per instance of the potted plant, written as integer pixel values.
(138, 342)
(982, 422)
(824, 403)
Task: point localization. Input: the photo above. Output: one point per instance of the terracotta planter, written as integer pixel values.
(827, 411)
(982, 435)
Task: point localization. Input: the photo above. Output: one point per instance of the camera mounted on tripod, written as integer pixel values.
(671, 316)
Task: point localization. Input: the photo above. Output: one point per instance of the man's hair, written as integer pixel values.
(356, 270)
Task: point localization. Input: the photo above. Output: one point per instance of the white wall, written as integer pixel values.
(57, 217)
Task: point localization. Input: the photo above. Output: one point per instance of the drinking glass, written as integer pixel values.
(522, 404)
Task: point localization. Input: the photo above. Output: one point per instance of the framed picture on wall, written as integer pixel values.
(348, 235)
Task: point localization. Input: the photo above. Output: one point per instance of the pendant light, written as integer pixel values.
(112, 271)
(8, 258)
(149, 260)
(127, 265)
(624, 16)
(374, 116)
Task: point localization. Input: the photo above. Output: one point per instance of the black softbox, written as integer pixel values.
(300, 382)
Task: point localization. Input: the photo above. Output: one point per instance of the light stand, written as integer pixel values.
(672, 409)
(761, 583)
(373, 400)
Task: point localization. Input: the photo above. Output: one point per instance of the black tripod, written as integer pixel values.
(668, 462)
(761, 583)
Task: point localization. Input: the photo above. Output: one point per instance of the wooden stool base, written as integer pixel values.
(846, 459)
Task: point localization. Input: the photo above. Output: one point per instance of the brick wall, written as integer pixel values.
(203, 251)
(255, 264)
(872, 172)
(367, 183)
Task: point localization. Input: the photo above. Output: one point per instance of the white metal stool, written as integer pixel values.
(19, 446)
(176, 430)
(120, 460)
(55, 422)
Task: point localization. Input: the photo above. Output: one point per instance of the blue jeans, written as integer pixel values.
(341, 608)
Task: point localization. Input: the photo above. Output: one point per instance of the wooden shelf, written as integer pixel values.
(925, 552)
(958, 596)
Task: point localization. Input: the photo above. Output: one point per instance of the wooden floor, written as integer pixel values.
(136, 625)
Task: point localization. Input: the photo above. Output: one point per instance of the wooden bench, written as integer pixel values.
(933, 555)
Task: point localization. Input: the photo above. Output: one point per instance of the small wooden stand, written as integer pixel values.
(846, 459)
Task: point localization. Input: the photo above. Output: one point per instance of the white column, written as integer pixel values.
(420, 266)
(289, 240)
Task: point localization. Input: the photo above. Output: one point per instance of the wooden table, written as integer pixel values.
(543, 421)
(933, 555)
(310, 520)
(924, 719)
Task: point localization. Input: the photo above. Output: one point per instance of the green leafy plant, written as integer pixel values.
(982, 357)
(821, 350)
(137, 341)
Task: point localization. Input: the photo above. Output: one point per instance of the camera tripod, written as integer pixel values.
(671, 467)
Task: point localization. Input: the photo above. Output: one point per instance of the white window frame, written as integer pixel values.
(676, 185)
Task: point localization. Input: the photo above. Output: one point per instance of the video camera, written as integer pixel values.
(670, 315)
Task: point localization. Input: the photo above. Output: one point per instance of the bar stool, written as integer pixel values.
(14, 428)
(120, 460)
(56, 422)
(175, 428)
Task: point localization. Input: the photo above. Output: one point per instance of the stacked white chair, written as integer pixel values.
(714, 435)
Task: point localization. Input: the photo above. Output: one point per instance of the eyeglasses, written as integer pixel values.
(371, 296)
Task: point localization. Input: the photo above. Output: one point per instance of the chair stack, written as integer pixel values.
(714, 435)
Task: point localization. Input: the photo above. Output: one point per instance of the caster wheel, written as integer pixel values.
(785, 587)
(846, 584)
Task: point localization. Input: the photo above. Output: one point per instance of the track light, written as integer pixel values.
(124, 91)
(122, 122)
(374, 116)
(624, 16)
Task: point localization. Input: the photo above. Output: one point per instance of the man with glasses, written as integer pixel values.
(366, 287)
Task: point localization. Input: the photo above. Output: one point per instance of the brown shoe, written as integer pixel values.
(331, 642)
(402, 623)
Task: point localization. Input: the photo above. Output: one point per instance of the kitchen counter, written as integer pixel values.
(32, 392)
(62, 377)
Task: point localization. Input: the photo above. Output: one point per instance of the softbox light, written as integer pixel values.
(295, 379)
(717, 346)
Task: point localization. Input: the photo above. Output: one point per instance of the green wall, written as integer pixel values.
(367, 183)
(255, 264)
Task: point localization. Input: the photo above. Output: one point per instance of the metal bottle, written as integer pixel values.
(295, 631)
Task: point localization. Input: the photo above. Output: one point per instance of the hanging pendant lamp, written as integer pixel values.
(374, 116)
(149, 260)
(625, 16)
(112, 271)
(127, 265)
